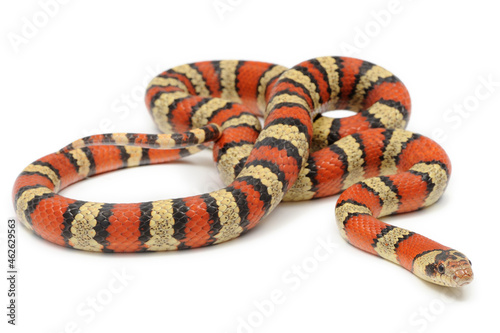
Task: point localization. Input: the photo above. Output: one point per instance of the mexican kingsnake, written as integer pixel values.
(299, 155)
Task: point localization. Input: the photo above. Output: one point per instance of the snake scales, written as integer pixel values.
(380, 168)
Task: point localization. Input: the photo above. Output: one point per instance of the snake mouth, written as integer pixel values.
(463, 277)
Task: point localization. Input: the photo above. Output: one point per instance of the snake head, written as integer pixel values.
(444, 267)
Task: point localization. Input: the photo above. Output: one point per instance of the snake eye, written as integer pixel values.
(470, 262)
(441, 268)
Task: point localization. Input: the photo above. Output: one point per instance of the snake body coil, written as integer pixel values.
(380, 168)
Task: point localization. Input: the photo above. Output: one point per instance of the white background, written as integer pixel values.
(73, 76)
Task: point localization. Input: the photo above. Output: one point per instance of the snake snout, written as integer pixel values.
(463, 276)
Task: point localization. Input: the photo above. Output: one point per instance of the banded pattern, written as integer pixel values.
(203, 101)
(413, 172)
(165, 224)
(193, 137)
(219, 101)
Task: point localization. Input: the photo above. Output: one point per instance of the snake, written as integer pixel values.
(298, 153)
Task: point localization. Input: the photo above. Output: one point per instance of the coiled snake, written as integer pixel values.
(380, 168)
